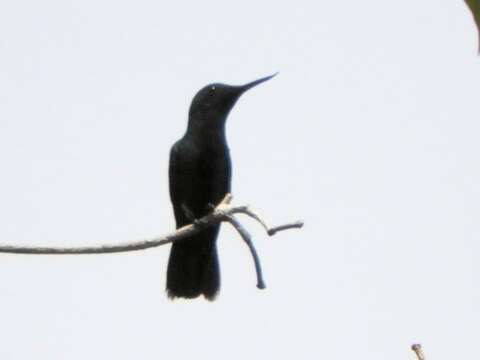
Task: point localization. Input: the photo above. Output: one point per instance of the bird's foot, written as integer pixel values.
(211, 207)
(188, 213)
(200, 223)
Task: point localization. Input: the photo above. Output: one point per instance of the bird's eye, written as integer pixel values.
(211, 91)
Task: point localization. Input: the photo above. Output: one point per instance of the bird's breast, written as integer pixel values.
(209, 176)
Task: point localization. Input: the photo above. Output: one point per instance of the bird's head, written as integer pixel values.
(212, 104)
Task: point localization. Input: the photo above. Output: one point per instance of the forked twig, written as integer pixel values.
(248, 238)
(270, 230)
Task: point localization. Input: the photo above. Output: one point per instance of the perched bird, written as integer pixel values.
(199, 175)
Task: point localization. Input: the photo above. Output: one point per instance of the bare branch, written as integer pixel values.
(295, 225)
(270, 231)
(218, 215)
(254, 215)
(179, 234)
(248, 240)
(417, 348)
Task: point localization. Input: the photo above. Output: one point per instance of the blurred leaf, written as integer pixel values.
(474, 6)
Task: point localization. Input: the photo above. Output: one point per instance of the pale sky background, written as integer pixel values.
(369, 133)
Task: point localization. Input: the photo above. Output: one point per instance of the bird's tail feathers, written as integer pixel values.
(193, 268)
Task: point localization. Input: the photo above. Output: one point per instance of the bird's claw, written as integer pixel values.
(211, 207)
(188, 213)
(200, 223)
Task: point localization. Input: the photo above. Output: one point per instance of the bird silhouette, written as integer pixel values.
(200, 173)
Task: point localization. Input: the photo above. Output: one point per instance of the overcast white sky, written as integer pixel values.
(369, 133)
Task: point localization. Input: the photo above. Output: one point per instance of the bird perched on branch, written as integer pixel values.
(199, 174)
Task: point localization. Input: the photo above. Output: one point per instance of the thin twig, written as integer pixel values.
(248, 240)
(218, 215)
(270, 230)
(417, 348)
(254, 215)
(295, 225)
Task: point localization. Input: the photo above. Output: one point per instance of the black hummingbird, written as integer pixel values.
(200, 174)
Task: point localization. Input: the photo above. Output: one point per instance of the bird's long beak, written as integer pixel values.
(256, 82)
